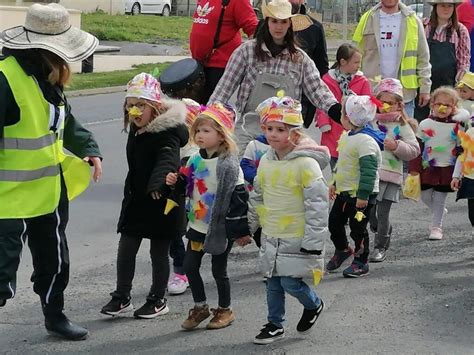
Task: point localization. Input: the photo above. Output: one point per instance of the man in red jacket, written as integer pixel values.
(238, 14)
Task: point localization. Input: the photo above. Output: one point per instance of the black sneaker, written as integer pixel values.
(3, 302)
(309, 318)
(116, 306)
(269, 333)
(152, 309)
(338, 258)
(356, 269)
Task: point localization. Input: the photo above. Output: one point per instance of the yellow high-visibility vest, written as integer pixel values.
(31, 155)
(408, 75)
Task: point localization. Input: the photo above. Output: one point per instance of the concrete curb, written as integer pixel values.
(97, 91)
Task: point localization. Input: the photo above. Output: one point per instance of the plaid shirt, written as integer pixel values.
(462, 45)
(243, 67)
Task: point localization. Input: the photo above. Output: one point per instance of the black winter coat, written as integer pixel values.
(151, 156)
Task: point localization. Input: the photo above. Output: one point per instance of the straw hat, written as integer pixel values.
(279, 9)
(435, 2)
(47, 27)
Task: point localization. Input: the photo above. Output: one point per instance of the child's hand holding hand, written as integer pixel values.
(455, 184)
(244, 241)
(361, 203)
(332, 192)
(171, 179)
(390, 144)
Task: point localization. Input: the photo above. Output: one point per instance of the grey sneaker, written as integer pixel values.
(378, 255)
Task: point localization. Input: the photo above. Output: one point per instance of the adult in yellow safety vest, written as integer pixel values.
(37, 179)
(393, 45)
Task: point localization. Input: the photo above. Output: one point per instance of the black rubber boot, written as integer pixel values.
(59, 325)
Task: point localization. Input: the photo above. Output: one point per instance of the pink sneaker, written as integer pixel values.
(177, 284)
(436, 234)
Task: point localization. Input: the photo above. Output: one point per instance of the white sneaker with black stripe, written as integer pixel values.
(269, 334)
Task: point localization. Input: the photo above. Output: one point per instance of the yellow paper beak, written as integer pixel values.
(442, 109)
(170, 204)
(386, 107)
(280, 93)
(317, 276)
(134, 112)
(359, 216)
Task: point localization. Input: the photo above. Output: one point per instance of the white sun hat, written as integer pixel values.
(47, 27)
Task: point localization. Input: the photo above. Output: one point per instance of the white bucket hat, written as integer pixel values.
(47, 27)
(279, 9)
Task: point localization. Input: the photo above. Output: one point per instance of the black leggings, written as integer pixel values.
(470, 206)
(213, 75)
(126, 259)
(343, 210)
(192, 264)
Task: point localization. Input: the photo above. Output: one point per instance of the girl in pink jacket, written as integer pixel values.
(343, 79)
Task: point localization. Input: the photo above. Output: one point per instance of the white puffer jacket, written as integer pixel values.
(283, 255)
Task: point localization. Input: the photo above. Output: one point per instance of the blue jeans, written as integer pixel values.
(276, 288)
(410, 108)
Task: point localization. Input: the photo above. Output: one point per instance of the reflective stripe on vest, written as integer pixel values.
(30, 154)
(28, 175)
(408, 75)
(27, 143)
(408, 63)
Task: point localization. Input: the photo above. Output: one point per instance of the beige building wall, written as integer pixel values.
(110, 6)
(11, 16)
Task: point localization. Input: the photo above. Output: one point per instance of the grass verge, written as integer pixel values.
(158, 29)
(114, 78)
(141, 28)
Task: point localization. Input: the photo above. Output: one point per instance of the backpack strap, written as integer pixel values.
(215, 44)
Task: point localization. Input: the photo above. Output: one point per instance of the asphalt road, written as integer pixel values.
(419, 301)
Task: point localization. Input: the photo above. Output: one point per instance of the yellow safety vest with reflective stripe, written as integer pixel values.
(408, 75)
(31, 155)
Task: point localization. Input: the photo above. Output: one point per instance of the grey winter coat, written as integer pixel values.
(296, 257)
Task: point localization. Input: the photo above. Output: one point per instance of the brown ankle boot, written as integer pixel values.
(223, 317)
(196, 316)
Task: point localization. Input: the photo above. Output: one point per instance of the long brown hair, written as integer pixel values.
(264, 36)
(434, 18)
(60, 71)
